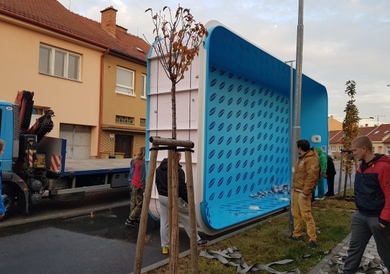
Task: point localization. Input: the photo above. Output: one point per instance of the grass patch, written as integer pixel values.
(268, 241)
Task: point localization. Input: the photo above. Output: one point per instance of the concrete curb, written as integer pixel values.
(60, 214)
(336, 250)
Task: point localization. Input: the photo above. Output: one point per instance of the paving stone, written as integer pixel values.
(334, 263)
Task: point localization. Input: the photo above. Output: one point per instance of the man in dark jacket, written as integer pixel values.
(330, 174)
(372, 199)
(162, 188)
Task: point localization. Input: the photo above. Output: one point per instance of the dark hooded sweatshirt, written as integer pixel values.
(162, 180)
(372, 188)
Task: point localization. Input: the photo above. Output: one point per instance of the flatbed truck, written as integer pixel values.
(34, 166)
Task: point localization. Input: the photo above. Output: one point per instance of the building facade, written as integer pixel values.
(379, 135)
(91, 74)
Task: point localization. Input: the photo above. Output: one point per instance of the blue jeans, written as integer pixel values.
(320, 187)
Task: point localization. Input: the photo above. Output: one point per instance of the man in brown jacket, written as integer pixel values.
(306, 172)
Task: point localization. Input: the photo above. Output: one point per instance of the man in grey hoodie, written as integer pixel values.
(162, 188)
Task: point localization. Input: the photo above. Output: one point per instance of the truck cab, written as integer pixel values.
(7, 134)
(21, 181)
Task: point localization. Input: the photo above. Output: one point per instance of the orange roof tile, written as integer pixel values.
(335, 136)
(332, 133)
(380, 132)
(366, 130)
(50, 14)
(375, 133)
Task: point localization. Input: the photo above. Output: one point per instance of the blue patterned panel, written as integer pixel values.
(246, 149)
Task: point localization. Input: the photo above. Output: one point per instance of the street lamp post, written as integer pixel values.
(292, 144)
(298, 87)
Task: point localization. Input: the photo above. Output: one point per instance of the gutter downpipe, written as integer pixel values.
(101, 100)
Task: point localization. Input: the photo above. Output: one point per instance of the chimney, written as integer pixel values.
(109, 20)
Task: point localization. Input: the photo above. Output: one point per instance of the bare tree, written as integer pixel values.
(176, 43)
(351, 131)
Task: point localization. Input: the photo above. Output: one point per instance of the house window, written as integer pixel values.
(332, 148)
(143, 86)
(39, 110)
(124, 81)
(142, 122)
(124, 120)
(58, 62)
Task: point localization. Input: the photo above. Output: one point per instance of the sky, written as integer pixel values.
(343, 39)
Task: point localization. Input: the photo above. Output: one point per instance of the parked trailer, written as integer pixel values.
(235, 105)
(35, 166)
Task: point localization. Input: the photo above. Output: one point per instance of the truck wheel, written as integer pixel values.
(8, 195)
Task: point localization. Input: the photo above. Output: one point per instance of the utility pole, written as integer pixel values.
(298, 82)
(292, 144)
(298, 87)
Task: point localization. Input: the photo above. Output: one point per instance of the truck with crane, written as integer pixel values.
(34, 166)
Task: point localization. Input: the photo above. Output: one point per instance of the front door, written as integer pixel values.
(124, 143)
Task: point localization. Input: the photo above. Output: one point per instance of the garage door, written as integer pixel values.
(78, 141)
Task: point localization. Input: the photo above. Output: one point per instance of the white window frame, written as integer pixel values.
(51, 66)
(125, 86)
(333, 148)
(143, 86)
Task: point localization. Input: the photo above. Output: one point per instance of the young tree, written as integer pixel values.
(351, 131)
(176, 43)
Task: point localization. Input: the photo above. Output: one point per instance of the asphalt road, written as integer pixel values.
(50, 209)
(85, 237)
(94, 240)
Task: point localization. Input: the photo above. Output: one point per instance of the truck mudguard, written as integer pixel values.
(21, 190)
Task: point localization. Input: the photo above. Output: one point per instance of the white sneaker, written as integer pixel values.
(319, 198)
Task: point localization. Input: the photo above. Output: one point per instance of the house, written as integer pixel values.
(379, 135)
(91, 74)
(333, 124)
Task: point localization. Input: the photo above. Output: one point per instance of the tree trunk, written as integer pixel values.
(174, 212)
(145, 212)
(192, 214)
(173, 101)
(341, 174)
(345, 184)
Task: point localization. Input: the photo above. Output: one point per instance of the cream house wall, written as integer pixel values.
(334, 124)
(380, 147)
(73, 102)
